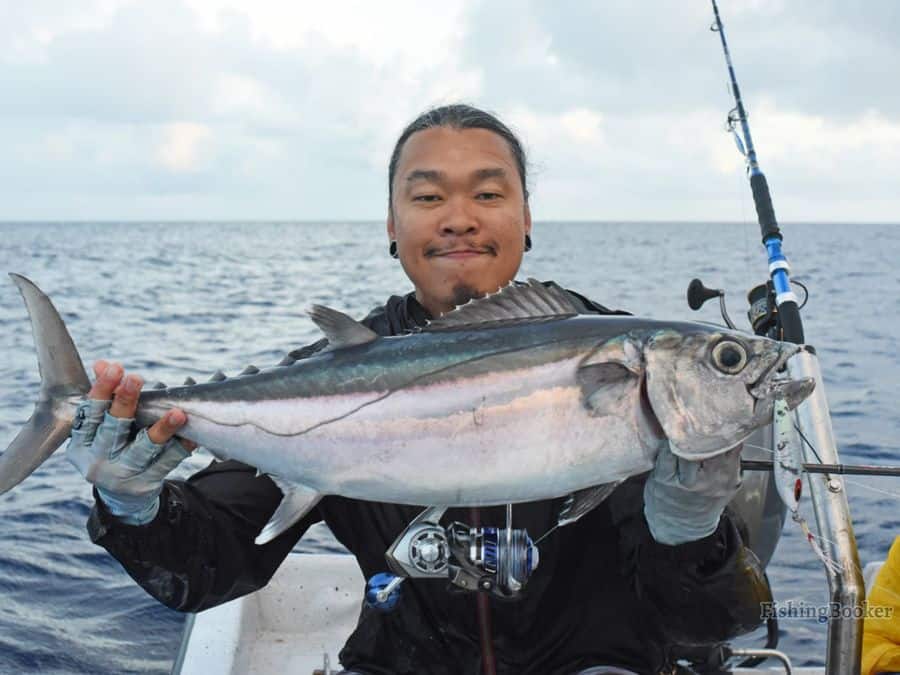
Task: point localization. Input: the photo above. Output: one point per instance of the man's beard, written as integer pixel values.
(462, 293)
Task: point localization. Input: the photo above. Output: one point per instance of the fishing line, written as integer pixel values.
(829, 541)
(805, 290)
(546, 534)
(808, 444)
(813, 540)
(759, 447)
(772, 452)
(874, 489)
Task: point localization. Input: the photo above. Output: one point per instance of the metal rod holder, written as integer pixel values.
(829, 500)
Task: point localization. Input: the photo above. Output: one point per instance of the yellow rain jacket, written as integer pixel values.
(881, 635)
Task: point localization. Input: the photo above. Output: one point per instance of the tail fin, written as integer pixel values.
(63, 383)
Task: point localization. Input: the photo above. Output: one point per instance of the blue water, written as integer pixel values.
(171, 300)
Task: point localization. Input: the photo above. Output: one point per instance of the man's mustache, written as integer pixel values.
(489, 248)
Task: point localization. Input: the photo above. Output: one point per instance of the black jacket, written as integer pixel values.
(604, 593)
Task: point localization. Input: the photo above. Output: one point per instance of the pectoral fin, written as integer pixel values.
(604, 386)
(297, 502)
(610, 375)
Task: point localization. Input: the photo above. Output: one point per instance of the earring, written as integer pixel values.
(392, 249)
(527, 243)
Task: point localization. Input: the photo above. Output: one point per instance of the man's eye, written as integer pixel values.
(488, 196)
(426, 198)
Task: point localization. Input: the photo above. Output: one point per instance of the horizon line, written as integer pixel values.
(362, 221)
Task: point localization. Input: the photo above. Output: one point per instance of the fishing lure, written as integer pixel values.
(788, 470)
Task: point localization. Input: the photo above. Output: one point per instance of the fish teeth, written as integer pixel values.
(190, 380)
(249, 370)
(159, 385)
(218, 376)
(288, 360)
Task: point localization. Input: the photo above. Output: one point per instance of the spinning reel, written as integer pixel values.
(763, 312)
(489, 559)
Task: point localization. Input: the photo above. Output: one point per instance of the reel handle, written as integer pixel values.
(697, 294)
(383, 591)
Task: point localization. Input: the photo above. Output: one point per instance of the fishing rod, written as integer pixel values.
(775, 312)
(784, 314)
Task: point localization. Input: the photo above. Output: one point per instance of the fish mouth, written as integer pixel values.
(770, 385)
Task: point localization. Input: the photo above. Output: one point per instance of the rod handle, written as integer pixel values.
(789, 323)
(765, 212)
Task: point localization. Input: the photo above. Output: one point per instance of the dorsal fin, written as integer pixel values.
(340, 329)
(516, 302)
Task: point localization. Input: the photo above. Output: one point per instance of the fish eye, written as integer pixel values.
(729, 357)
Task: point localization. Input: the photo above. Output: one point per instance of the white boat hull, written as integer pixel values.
(306, 611)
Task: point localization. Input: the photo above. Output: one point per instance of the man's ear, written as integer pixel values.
(391, 232)
(527, 219)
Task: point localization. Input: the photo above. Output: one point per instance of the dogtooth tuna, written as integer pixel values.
(510, 398)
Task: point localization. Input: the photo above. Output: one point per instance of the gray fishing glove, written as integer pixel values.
(128, 476)
(683, 499)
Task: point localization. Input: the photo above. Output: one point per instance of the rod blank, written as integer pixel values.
(842, 469)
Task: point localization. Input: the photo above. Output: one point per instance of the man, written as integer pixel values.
(653, 566)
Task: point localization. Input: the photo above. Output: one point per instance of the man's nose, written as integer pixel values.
(459, 219)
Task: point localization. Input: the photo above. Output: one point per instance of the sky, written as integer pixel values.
(228, 109)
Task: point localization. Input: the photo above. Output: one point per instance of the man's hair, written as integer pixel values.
(458, 116)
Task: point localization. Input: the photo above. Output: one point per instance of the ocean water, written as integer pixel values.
(172, 300)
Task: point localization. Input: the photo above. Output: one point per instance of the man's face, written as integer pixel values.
(458, 215)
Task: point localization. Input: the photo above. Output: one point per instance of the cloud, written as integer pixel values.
(825, 144)
(185, 145)
(207, 108)
(397, 33)
(27, 28)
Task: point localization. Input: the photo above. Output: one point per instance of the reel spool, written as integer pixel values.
(501, 560)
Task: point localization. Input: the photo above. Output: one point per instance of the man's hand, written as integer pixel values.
(683, 499)
(128, 476)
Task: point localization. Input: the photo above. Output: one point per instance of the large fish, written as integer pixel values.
(514, 397)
